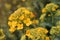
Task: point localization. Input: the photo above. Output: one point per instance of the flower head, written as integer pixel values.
(19, 26)
(44, 10)
(28, 22)
(12, 29)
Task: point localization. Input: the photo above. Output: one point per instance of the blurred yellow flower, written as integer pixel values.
(56, 6)
(19, 26)
(44, 10)
(28, 22)
(53, 9)
(9, 23)
(22, 10)
(21, 17)
(32, 15)
(27, 11)
(45, 31)
(12, 29)
(35, 21)
(12, 26)
(47, 38)
(42, 36)
(39, 29)
(14, 23)
(11, 17)
(28, 33)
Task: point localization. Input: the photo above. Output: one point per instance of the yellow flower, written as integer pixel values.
(53, 9)
(32, 15)
(44, 10)
(21, 17)
(27, 11)
(22, 10)
(28, 33)
(51, 6)
(19, 26)
(42, 36)
(56, 6)
(38, 29)
(9, 23)
(45, 31)
(47, 38)
(14, 23)
(12, 29)
(11, 17)
(35, 21)
(28, 22)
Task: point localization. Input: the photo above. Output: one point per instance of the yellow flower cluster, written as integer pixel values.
(19, 18)
(50, 7)
(55, 30)
(37, 33)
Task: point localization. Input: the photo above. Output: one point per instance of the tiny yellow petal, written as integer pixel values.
(47, 38)
(44, 10)
(53, 9)
(32, 15)
(28, 33)
(9, 23)
(27, 22)
(12, 29)
(14, 23)
(46, 31)
(21, 17)
(19, 26)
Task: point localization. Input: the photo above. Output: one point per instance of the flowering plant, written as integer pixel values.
(30, 20)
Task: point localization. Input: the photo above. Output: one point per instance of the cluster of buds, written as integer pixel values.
(21, 17)
(37, 33)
